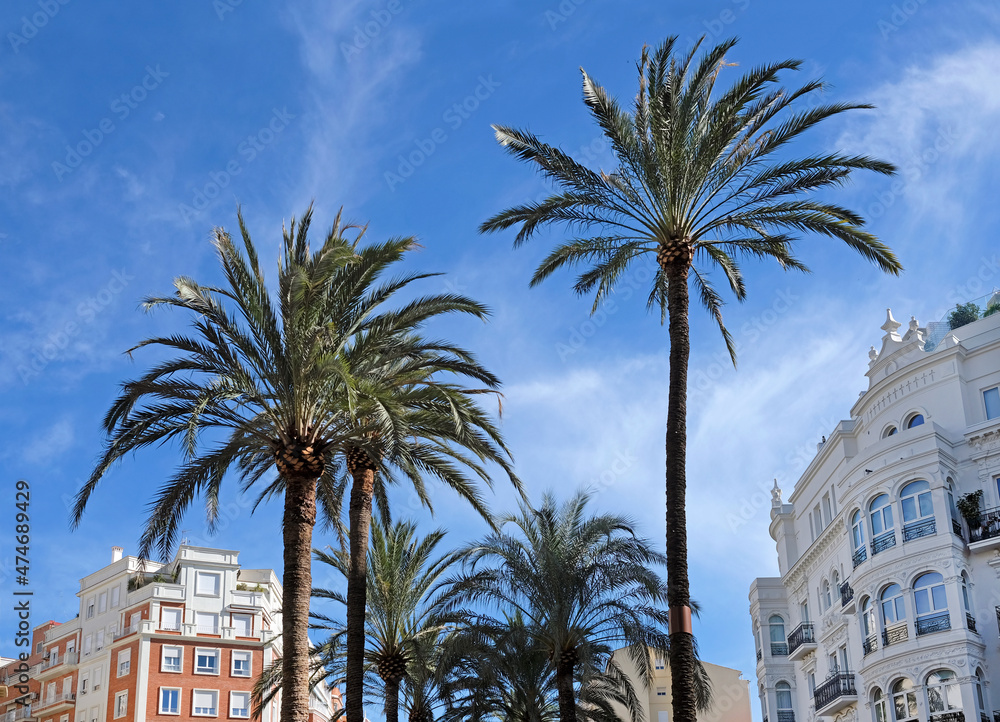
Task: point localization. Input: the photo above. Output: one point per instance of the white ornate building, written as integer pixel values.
(888, 603)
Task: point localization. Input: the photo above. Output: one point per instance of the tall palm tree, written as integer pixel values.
(400, 629)
(584, 585)
(702, 181)
(290, 383)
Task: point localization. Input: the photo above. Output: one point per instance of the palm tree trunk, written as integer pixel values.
(360, 518)
(682, 659)
(392, 700)
(297, 529)
(564, 688)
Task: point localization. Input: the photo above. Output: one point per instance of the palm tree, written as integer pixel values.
(702, 181)
(400, 630)
(291, 382)
(583, 585)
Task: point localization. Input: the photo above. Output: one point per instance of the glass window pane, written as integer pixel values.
(926, 508)
(940, 599)
(900, 704)
(911, 703)
(888, 517)
(992, 399)
(909, 509)
(900, 609)
(923, 603)
(876, 525)
(934, 700)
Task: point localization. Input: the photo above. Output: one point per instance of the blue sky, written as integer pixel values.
(127, 134)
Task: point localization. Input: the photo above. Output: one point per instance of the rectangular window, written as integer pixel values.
(827, 510)
(204, 703)
(84, 683)
(97, 676)
(206, 661)
(90, 608)
(171, 658)
(102, 603)
(124, 662)
(70, 646)
(991, 397)
(116, 595)
(239, 704)
(660, 663)
(88, 644)
(170, 618)
(661, 691)
(207, 622)
(241, 663)
(170, 700)
(121, 704)
(67, 686)
(100, 639)
(242, 623)
(64, 718)
(819, 520)
(207, 584)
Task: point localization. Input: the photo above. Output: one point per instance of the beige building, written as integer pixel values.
(730, 692)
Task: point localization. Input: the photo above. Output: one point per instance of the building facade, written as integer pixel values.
(888, 603)
(152, 641)
(730, 692)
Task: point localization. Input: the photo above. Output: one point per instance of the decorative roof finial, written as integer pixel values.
(891, 324)
(872, 353)
(913, 323)
(775, 495)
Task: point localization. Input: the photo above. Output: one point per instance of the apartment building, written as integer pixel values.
(888, 601)
(153, 641)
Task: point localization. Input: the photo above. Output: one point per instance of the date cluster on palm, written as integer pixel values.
(392, 669)
(676, 252)
(299, 459)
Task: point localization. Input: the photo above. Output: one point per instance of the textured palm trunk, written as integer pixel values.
(297, 528)
(360, 519)
(564, 688)
(391, 700)
(682, 659)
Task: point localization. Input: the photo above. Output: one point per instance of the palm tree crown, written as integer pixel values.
(702, 182)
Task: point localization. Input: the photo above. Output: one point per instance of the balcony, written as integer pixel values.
(870, 644)
(779, 649)
(68, 698)
(970, 622)
(987, 529)
(949, 717)
(846, 594)
(786, 715)
(956, 526)
(54, 661)
(937, 623)
(881, 543)
(859, 556)
(131, 629)
(835, 693)
(758, 654)
(23, 713)
(895, 635)
(919, 529)
(801, 641)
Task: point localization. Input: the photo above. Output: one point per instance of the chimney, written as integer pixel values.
(116, 554)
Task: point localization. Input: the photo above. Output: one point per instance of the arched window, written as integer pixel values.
(889, 432)
(777, 628)
(915, 420)
(904, 701)
(918, 512)
(893, 606)
(942, 692)
(835, 584)
(784, 699)
(878, 704)
(869, 627)
(931, 603)
(980, 693)
(857, 530)
(883, 534)
(825, 595)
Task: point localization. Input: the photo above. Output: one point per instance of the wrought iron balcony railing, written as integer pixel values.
(970, 622)
(881, 543)
(838, 685)
(987, 527)
(846, 594)
(779, 649)
(870, 644)
(919, 529)
(936, 623)
(894, 635)
(786, 715)
(859, 556)
(802, 634)
(956, 526)
(758, 654)
(949, 717)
